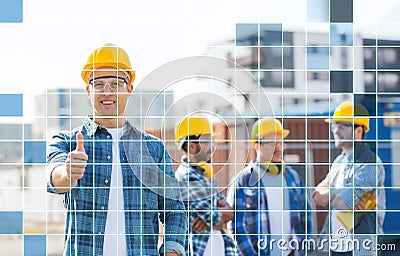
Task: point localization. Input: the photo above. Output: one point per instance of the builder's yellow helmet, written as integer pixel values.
(267, 126)
(108, 55)
(192, 125)
(351, 113)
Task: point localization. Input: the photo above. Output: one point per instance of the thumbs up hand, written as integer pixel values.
(76, 161)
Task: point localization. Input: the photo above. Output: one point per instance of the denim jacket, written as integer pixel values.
(150, 192)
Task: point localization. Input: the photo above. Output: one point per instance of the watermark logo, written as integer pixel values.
(342, 232)
(346, 242)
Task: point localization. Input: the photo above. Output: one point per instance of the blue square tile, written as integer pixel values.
(35, 152)
(247, 34)
(11, 105)
(11, 11)
(341, 34)
(271, 34)
(11, 222)
(317, 58)
(34, 245)
(318, 11)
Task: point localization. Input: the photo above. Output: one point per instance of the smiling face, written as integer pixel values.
(109, 101)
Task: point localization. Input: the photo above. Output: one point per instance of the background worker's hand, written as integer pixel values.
(76, 161)
(321, 196)
(359, 206)
(198, 225)
(221, 203)
(226, 214)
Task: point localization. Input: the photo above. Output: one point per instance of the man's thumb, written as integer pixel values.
(80, 142)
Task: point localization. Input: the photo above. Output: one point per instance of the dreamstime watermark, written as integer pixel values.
(310, 244)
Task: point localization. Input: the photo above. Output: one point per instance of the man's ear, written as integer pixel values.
(130, 88)
(88, 91)
(256, 146)
(358, 132)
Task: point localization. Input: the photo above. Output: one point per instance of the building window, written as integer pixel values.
(389, 81)
(370, 81)
(388, 58)
(288, 79)
(288, 58)
(271, 79)
(323, 76)
(369, 58)
(271, 58)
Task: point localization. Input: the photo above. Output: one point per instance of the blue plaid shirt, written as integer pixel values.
(200, 196)
(150, 192)
(251, 221)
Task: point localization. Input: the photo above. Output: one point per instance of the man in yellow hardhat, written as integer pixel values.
(208, 210)
(103, 169)
(269, 197)
(355, 181)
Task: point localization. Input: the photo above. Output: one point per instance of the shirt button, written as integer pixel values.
(108, 157)
(106, 181)
(108, 136)
(99, 233)
(102, 207)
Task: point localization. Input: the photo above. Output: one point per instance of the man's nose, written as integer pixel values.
(336, 131)
(107, 88)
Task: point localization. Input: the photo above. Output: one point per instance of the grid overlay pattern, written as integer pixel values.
(306, 73)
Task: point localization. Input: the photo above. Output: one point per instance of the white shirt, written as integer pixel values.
(343, 243)
(114, 236)
(215, 244)
(278, 210)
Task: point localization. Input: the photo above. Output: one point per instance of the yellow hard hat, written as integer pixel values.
(267, 126)
(192, 125)
(351, 113)
(108, 55)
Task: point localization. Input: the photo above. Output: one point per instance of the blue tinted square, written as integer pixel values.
(271, 34)
(11, 105)
(318, 10)
(35, 152)
(34, 245)
(247, 34)
(341, 34)
(11, 11)
(11, 222)
(317, 58)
